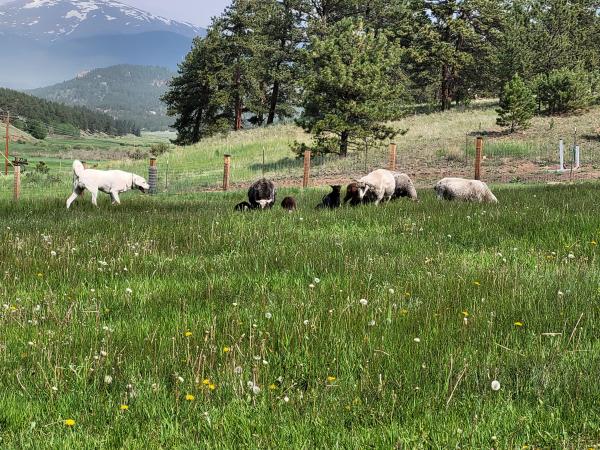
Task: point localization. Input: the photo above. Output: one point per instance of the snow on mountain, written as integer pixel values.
(56, 20)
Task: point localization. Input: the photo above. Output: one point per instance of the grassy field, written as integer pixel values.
(177, 323)
(436, 145)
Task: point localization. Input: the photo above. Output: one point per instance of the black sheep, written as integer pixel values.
(262, 194)
(333, 199)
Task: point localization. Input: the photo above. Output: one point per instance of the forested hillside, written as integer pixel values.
(127, 92)
(24, 107)
(351, 66)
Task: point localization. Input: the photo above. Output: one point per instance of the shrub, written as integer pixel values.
(159, 149)
(66, 129)
(517, 105)
(37, 129)
(564, 90)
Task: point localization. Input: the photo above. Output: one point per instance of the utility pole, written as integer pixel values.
(7, 142)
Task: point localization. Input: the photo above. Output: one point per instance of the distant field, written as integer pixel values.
(177, 323)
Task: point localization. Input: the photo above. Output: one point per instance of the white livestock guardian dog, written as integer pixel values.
(112, 182)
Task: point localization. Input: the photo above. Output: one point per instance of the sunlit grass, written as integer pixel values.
(222, 329)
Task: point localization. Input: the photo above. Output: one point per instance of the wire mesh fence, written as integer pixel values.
(504, 161)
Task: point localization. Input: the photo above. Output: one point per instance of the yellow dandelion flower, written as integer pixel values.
(407, 294)
(123, 407)
(331, 379)
(272, 386)
(404, 312)
(594, 243)
(476, 283)
(519, 324)
(40, 275)
(465, 313)
(69, 423)
(206, 382)
(226, 349)
(187, 333)
(190, 397)
(212, 386)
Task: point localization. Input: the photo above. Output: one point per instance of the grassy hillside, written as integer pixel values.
(126, 91)
(436, 145)
(28, 107)
(115, 317)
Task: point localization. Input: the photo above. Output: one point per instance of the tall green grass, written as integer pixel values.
(137, 305)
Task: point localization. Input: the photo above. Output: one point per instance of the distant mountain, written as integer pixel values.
(127, 92)
(55, 20)
(48, 41)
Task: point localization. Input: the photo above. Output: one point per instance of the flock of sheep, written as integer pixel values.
(380, 185)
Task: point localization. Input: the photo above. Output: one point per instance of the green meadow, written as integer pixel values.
(174, 322)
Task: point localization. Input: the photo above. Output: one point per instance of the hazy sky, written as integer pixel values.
(197, 12)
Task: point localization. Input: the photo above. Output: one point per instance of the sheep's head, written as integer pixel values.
(363, 189)
(263, 203)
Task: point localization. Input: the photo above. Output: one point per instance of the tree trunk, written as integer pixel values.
(196, 132)
(238, 101)
(274, 100)
(445, 91)
(344, 144)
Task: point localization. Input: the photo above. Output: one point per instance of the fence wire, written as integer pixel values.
(503, 162)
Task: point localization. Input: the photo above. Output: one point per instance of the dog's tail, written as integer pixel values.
(78, 168)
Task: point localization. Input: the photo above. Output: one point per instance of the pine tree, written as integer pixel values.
(352, 85)
(459, 38)
(517, 105)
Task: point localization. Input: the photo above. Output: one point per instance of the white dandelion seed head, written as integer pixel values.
(571, 256)
(372, 323)
(180, 379)
(316, 280)
(103, 353)
(363, 301)
(128, 290)
(108, 379)
(312, 286)
(268, 315)
(306, 322)
(391, 291)
(53, 253)
(237, 370)
(495, 385)
(465, 320)
(286, 399)
(54, 388)
(417, 340)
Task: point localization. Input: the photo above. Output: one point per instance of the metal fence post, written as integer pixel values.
(153, 176)
(478, 157)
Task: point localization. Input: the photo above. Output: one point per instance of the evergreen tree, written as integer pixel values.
(351, 87)
(517, 105)
(459, 40)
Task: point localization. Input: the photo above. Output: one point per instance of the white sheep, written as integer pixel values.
(379, 183)
(466, 190)
(404, 187)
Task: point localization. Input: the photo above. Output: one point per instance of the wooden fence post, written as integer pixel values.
(226, 172)
(393, 156)
(478, 157)
(306, 168)
(17, 185)
(153, 176)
